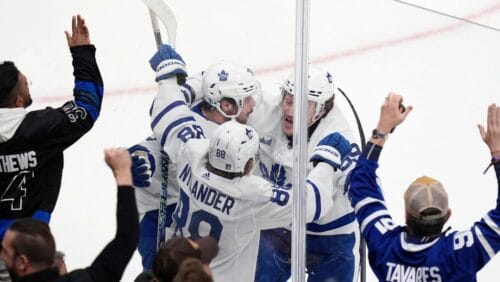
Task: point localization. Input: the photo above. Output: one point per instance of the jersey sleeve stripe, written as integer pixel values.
(172, 125)
(334, 224)
(366, 201)
(484, 242)
(317, 196)
(165, 111)
(372, 217)
(491, 224)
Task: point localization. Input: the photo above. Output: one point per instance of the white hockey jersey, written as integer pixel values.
(276, 160)
(231, 210)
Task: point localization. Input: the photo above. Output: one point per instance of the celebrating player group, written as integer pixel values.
(218, 164)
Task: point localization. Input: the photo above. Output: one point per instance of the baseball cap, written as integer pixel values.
(424, 193)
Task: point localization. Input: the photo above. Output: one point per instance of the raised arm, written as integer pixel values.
(171, 119)
(113, 259)
(89, 88)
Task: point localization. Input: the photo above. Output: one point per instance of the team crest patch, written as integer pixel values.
(265, 141)
(223, 75)
(249, 133)
(329, 77)
(74, 112)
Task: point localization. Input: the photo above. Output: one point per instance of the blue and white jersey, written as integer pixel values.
(276, 160)
(394, 255)
(148, 198)
(233, 211)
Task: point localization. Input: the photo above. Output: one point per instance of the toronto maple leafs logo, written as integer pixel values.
(223, 75)
(329, 77)
(249, 133)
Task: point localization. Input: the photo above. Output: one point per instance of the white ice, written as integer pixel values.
(447, 69)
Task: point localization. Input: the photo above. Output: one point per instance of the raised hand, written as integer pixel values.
(79, 32)
(120, 163)
(491, 135)
(391, 114)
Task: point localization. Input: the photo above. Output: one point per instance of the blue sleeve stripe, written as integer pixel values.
(334, 224)
(92, 112)
(88, 95)
(317, 196)
(188, 92)
(4, 225)
(42, 215)
(172, 125)
(151, 107)
(482, 240)
(165, 111)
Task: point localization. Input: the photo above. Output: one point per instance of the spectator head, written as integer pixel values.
(426, 205)
(60, 263)
(145, 276)
(28, 246)
(171, 255)
(14, 87)
(192, 270)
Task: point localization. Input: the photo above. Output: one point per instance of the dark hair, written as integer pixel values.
(145, 276)
(426, 227)
(230, 175)
(34, 240)
(191, 270)
(328, 105)
(205, 106)
(9, 76)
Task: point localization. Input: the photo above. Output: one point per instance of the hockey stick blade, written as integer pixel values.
(166, 16)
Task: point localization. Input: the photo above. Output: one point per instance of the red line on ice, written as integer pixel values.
(321, 59)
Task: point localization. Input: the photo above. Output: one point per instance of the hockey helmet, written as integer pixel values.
(232, 146)
(228, 80)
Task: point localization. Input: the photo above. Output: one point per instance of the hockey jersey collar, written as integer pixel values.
(416, 245)
(10, 119)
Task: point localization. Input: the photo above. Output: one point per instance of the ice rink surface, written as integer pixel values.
(447, 69)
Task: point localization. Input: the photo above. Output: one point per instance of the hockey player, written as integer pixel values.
(421, 250)
(32, 143)
(225, 90)
(219, 197)
(332, 242)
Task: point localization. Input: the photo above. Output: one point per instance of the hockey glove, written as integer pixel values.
(143, 166)
(167, 63)
(331, 150)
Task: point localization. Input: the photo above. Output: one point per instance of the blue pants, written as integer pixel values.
(148, 235)
(329, 258)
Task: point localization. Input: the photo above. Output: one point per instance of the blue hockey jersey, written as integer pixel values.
(395, 255)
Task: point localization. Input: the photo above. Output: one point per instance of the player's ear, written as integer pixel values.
(448, 214)
(228, 107)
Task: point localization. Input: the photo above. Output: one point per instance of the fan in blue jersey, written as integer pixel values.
(421, 250)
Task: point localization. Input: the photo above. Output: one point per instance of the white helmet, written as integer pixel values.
(232, 146)
(321, 88)
(227, 80)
